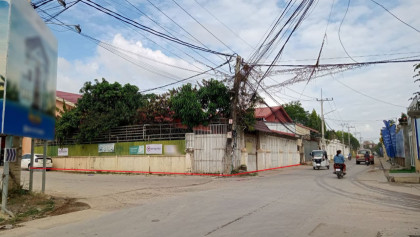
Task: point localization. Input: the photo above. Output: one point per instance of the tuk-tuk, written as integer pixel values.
(320, 159)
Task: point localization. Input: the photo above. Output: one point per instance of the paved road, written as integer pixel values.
(289, 202)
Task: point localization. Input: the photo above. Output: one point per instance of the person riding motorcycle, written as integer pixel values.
(367, 158)
(349, 156)
(339, 159)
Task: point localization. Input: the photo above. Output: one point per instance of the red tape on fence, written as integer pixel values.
(167, 173)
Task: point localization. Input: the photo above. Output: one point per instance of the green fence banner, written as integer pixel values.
(136, 150)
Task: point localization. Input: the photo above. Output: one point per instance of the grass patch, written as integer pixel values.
(412, 170)
(28, 206)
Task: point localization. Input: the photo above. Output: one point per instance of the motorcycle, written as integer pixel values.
(367, 161)
(349, 157)
(339, 170)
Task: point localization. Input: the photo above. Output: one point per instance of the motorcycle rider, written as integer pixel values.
(339, 159)
(349, 156)
(367, 157)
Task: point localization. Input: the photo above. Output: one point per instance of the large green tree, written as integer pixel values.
(215, 99)
(103, 106)
(296, 112)
(314, 121)
(156, 109)
(186, 106)
(200, 106)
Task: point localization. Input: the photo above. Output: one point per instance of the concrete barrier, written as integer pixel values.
(177, 164)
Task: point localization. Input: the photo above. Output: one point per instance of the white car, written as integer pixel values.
(38, 161)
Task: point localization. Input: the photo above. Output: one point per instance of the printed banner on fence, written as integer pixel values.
(417, 124)
(393, 133)
(154, 149)
(136, 150)
(63, 151)
(107, 147)
(387, 137)
(388, 143)
(400, 152)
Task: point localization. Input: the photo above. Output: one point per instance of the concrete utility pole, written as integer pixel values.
(6, 174)
(348, 129)
(231, 141)
(44, 165)
(322, 119)
(31, 171)
(342, 130)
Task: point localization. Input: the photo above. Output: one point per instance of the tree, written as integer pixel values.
(201, 106)
(215, 99)
(187, 107)
(314, 121)
(297, 113)
(417, 68)
(156, 109)
(102, 107)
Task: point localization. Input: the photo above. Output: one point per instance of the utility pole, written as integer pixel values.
(348, 129)
(231, 139)
(322, 119)
(342, 130)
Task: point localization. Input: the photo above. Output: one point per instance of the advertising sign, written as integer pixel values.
(63, 151)
(28, 72)
(154, 149)
(171, 150)
(107, 147)
(387, 133)
(417, 124)
(400, 151)
(136, 150)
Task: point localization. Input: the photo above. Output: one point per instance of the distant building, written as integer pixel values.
(368, 145)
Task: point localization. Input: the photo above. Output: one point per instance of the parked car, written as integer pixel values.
(38, 161)
(360, 156)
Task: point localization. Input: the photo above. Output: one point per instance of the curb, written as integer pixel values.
(385, 173)
(396, 179)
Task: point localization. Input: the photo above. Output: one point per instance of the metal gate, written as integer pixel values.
(209, 150)
(209, 144)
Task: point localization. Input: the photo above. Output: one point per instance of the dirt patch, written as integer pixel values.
(30, 206)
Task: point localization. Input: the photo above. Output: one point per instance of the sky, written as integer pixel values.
(361, 98)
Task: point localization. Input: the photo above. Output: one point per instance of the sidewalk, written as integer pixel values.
(398, 177)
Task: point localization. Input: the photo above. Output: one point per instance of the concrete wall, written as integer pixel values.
(333, 146)
(178, 164)
(276, 152)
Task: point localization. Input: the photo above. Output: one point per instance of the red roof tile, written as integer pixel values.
(68, 96)
(261, 126)
(273, 114)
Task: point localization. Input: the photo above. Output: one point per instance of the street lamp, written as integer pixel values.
(76, 27)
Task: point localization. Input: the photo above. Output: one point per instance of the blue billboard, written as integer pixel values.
(28, 66)
(389, 138)
(400, 151)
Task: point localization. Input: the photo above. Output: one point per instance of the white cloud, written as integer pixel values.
(366, 30)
